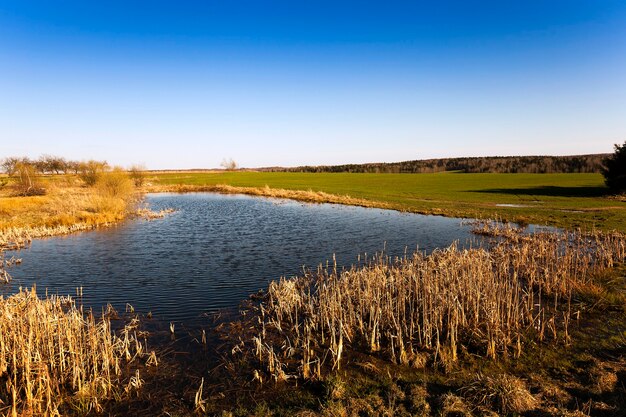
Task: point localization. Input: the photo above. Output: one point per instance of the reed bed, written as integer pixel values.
(14, 238)
(55, 358)
(422, 308)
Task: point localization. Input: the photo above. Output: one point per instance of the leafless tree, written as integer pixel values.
(229, 164)
(137, 174)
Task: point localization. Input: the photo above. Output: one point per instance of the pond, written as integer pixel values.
(216, 250)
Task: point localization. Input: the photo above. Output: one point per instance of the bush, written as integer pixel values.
(615, 169)
(91, 171)
(116, 184)
(114, 192)
(137, 174)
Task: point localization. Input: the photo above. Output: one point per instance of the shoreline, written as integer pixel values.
(12, 238)
(424, 387)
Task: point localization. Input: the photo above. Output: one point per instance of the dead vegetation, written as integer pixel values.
(502, 392)
(148, 214)
(434, 313)
(68, 205)
(486, 301)
(425, 313)
(55, 358)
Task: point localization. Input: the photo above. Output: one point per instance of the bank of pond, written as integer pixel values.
(407, 315)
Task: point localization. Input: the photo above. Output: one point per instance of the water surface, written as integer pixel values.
(217, 249)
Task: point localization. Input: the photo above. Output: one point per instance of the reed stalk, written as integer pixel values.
(54, 356)
(487, 300)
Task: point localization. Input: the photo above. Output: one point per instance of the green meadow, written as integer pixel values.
(562, 200)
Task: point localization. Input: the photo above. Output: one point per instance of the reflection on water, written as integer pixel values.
(216, 250)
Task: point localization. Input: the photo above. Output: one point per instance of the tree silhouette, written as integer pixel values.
(615, 169)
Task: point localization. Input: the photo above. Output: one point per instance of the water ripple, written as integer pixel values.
(216, 250)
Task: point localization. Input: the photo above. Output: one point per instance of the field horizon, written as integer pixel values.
(197, 219)
(562, 200)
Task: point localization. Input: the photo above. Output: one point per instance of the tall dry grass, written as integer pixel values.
(114, 192)
(69, 207)
(487, 300)
(54, 357)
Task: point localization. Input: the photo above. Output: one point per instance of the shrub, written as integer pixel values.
(91, 171)
(114, 192)
(137, 174)
(115, 183)
(615, 169)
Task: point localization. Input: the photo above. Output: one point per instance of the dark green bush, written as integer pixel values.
(615, 169)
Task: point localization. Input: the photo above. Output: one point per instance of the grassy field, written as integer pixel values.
(461, 333)
(564, 200)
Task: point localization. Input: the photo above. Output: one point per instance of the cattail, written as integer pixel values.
(490, 296)
(51, 351)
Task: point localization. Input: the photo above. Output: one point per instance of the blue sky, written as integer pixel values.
(185, 84)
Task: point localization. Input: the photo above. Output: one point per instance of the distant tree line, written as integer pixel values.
(45, 164)
(24, 171)
(497, 164)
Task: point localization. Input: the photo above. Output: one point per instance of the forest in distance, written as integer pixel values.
(592, 163)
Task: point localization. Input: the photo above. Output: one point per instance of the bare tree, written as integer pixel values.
(73, 166)
(229, 164)
(137, 174)
(9, 164)
(26, 183)
(49, 164)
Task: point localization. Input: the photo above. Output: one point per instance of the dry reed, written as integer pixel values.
(148, 214)
(487, 300)
(55, 357)
(506, 393)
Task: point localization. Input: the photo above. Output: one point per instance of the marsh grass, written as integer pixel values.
(55, 357)
(506, 393)
(68, 206)
(490, 301)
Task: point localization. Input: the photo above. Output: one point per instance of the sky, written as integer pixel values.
(185, 84)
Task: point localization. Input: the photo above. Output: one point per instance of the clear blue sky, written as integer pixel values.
(183, 84)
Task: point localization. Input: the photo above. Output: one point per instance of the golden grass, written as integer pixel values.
(506, 393)
(488, 301)
(61, 207)
(67, 207)
(55, 357)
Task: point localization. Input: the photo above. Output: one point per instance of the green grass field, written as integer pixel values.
(564, 200)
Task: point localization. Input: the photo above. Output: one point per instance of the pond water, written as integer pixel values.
(215, 250)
